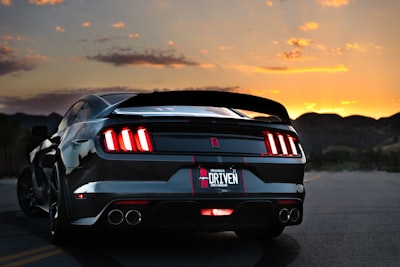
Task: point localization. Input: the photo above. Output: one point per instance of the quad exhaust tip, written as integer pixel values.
(294, 215)
(286, 215)
(115, 217)
(132, 217)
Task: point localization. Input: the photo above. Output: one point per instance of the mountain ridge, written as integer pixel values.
(328, 139)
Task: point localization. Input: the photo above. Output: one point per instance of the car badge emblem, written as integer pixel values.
(214, 142)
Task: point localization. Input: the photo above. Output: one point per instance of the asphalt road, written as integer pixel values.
(351, 219)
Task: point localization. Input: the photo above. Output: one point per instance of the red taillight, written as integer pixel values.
(132, 202)
(216, 212)
(143, 140)
(288, 201)
(127, 140)
(110, 140)
(280, 144)
(80, 196)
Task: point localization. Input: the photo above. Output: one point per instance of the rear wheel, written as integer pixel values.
(25, 193)
(59, 228)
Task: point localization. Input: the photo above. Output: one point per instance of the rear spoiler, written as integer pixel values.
(208, 98)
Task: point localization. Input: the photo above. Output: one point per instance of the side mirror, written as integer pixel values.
(40, 130)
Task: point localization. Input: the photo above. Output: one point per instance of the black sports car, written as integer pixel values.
(197, 160)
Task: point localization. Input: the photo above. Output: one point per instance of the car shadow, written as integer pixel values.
(165, 248)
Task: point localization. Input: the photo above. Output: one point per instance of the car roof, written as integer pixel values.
(114, 97)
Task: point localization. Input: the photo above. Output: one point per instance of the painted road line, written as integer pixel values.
(309, 179)
(29, 256)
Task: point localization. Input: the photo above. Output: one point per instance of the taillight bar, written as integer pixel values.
(216, 212)
(127, 140)
(280, 144)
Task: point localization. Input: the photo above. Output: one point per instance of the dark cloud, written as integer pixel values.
(291, 54)
(60, 101)
(102, 40)
(10, 63)
(10, 66)
(275, 68)
(5, 50)
(153, 57)
(46, 103)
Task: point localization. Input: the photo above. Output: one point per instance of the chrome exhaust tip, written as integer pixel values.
(133, 217)
(284, 215)
(294, 215)
(115, 217)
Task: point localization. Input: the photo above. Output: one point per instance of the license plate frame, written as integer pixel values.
(225, 179)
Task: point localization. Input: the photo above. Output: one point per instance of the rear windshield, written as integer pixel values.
(192, 111)
(115, 98)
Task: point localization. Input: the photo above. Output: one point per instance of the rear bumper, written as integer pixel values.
(165, 204)
(186, 214)
(174, 197)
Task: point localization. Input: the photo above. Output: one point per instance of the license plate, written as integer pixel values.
(209, 178)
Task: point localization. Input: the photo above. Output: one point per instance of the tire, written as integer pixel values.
(261, 234)
(25, 193)
(59, 227)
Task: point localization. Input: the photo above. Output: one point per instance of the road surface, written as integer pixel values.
(350, 219)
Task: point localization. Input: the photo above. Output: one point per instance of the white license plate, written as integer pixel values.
(218, 178)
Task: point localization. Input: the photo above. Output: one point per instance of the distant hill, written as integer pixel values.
(329, 140)
(28, 121)
(322, 131)
(317, 132)
(355, 142)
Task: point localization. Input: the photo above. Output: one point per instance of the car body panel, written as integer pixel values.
(216, 158)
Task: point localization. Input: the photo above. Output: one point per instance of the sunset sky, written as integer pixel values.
(325, 56)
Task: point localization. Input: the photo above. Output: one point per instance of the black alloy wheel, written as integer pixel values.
(25, 193)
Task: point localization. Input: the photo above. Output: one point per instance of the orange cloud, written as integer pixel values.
(5, 2)
(296, 53)
(347, 102)
(335, 51)
(310, 105)
(5, 50)
(86, 24)
(329, 110)
(59, 29)
(13, 38)
(377, 47)
(333, 3)
(46, 2)
(204, 51)
(309, 26)
(268, 3)
(118, 25)
(299, 42)
(12, 63)
(36, 58)
(134, 36)
(207, 65)
(224, 48)
(285, 70)
(355, 46)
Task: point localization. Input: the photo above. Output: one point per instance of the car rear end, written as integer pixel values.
(195, 167)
